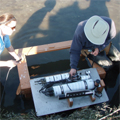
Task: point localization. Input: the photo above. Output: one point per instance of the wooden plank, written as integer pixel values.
(24, 76)
(44, 48)
(100, 70)
(18, 90)
(102, 86)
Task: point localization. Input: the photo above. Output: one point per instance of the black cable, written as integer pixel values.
(89, 58)
(98, 94)
(69, 87)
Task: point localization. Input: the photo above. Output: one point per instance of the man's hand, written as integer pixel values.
(72, 72)
(96, 51)
(11, 63)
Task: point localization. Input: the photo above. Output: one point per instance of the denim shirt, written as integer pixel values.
(5, 42)
(80, 41)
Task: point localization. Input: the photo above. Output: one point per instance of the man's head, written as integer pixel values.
(96, 30)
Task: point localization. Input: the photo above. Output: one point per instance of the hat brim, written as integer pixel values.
(88, 31)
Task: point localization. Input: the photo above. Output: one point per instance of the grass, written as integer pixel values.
(102, 113)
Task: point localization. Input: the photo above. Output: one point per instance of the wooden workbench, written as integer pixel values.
(24, 77)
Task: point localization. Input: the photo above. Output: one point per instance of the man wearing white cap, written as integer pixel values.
(94, 33)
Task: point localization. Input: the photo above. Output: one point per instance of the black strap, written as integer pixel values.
(86, 86)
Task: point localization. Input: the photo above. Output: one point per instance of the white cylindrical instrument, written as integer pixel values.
(75, 86)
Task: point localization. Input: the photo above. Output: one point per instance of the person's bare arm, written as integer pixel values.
(9, 63)
(12, 53)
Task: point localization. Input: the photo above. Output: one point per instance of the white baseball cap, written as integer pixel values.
(96, 30)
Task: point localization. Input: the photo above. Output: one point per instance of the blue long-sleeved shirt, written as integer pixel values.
(80, 41)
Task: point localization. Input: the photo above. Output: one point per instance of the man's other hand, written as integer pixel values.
(72, 72)
(95, 52)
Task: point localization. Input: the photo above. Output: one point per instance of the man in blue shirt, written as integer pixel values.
(7, 27)
(94, 33)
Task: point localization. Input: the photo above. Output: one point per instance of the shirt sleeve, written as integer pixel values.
(102, 47)
(7, 41)
(75, 51)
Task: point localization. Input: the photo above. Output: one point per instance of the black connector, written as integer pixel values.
(19, 60)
